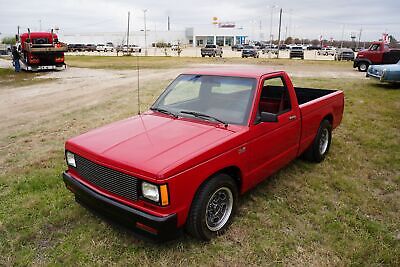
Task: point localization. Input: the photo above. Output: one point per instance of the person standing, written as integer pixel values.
(16, 58)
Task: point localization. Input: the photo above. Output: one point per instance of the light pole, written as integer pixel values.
(145, 32)
(270, 31)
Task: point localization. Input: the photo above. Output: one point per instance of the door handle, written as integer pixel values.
(292, 118)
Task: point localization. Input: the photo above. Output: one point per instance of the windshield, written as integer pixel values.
(210, 46)
(248, 47)
(226, 99)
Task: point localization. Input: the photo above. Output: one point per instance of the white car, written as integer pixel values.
(326, 51)
(132, 48)
(100, 48)
(109, 47)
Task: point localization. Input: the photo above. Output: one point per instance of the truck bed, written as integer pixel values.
(391, 57)
(305, 95)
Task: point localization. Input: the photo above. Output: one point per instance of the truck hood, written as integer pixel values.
(148, 144)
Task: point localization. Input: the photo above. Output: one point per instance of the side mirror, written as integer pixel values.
(268, 117)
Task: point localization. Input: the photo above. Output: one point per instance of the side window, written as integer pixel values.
(374, 47)
(274, 96)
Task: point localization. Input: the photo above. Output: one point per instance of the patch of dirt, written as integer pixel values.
(72, 89)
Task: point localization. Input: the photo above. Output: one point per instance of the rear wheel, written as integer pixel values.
(320, 146)
(213, 208)
(363, 66)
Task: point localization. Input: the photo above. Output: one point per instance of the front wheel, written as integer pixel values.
(363, 66)
(320, 146)
(213, 208)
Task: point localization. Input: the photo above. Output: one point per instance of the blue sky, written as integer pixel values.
(305, 19)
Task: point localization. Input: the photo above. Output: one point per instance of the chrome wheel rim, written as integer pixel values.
(219, 209)
(323, 141)
(363, 67)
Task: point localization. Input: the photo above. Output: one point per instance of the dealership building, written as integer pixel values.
(214, 34)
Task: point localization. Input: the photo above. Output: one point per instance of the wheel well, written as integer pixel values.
(233, 172)
(329, 118)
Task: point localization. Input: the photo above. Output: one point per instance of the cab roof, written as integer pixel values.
(248, 72)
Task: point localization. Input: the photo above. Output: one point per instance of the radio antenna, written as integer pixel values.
(138, 82)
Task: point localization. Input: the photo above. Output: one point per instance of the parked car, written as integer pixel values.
(385, 73)
(296, 52)
(90, 47)
(250, 51)
(211, 51)
(313, 47)
(211, 136)
(109, 47)
(378, 53)
(100, 48)
(132, 48)
(237, 47)
(326, 51)
(76, 47)
(344, 54)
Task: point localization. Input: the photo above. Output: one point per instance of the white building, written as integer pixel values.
(190, 36)
(218, 36)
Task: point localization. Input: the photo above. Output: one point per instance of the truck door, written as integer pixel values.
(274, 144)
(375, 53)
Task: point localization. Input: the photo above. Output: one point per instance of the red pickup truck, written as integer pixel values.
(378, 53)
(211, 136)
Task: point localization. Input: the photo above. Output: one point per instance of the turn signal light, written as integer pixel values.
(164, 195)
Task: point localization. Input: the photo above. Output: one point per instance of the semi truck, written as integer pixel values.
(41, 51)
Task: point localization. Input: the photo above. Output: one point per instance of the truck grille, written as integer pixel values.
(108, 179)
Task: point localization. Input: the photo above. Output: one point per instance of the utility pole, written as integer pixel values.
(145, 32)
(279, 33)
(127, 35)
(290, 22)
(40, 25)
(169, 25)
(359, 38)
(270, 31)
(341, 43)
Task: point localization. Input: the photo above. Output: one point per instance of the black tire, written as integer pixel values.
(318, 149)
(198, 222)
(203, 55)
(363, 66)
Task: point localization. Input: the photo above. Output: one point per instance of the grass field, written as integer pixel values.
(340, 212)
(130, 62)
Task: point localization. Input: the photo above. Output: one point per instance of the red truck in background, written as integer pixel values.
(41, 51)
(211, 136)
(378, 53)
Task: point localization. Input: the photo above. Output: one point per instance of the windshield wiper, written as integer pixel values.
(161, 110)
(205, 116)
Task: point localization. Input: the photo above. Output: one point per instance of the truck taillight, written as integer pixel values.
(33, 59)
(59, 59)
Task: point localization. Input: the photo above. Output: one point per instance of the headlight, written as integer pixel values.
(70, 159)
(150, 191)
